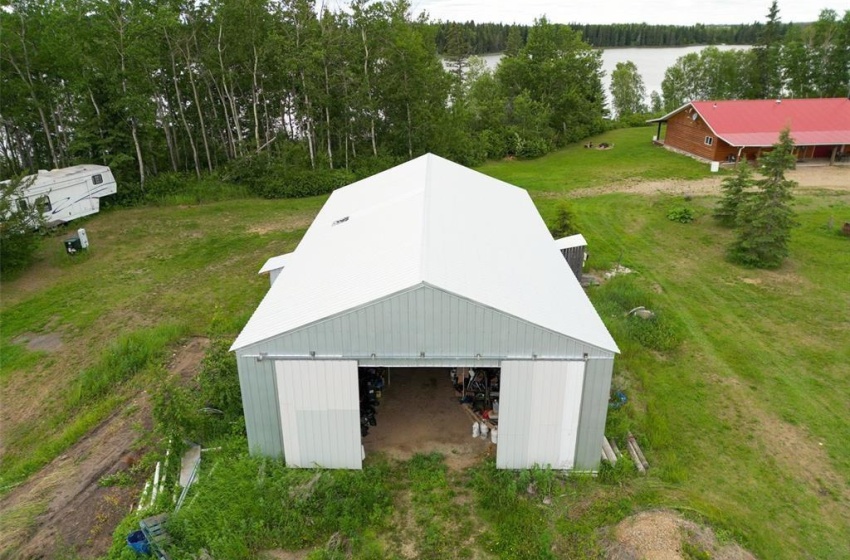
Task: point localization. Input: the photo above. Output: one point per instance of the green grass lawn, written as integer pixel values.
(740, 402)
(152, 276)
(633, 156)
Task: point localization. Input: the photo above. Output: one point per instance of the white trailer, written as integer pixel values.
(65, 194)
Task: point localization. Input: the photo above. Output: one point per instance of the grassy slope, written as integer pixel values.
(735, 418)
(152, 274)
(746, 422)
(731, 420)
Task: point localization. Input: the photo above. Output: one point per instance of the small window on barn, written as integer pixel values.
(709, 140)
(43, 204)
(96, 179)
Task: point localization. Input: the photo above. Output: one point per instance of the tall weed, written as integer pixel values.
(125, 358)
(242, 505)
(622, 294)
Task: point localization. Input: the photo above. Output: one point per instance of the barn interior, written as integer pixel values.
(407, 411)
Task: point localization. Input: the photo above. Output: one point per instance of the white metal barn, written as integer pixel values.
(428, 264)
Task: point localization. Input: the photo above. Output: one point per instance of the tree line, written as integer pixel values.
(294, 101)
(485, 38)
(813, 61)
(262, 88)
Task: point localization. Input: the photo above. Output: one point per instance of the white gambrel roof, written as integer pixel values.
(435, 222)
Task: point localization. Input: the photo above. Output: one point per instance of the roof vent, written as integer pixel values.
(340, 221)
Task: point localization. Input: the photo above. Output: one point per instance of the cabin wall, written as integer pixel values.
(689, 135)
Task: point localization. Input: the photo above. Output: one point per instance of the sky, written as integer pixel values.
(657, 12)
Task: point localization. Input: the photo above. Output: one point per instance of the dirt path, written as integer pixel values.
(836, 178)
(63, 509)
(420, 413)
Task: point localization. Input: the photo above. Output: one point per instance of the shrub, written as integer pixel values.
(19, 226)
(209, 411)
(301, 183)
(366, 166)
(565, 221)
(273, 177)
(219, 380)
(681, 214)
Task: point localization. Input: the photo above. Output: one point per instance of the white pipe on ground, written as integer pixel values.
(143, 496)
(155, 483)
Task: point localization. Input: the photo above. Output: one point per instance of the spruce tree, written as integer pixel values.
(734, 188)
(765, 218)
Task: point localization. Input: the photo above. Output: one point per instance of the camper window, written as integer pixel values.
(23, 205)
(43, 204)
(96, 179)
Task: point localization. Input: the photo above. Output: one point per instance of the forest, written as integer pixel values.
(289, 100)
(487, 38)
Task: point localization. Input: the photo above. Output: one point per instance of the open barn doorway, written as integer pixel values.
(420, 411)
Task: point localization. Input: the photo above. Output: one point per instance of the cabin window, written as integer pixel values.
(709, 140)
(23, 205)
(43, 204)
(96, 179)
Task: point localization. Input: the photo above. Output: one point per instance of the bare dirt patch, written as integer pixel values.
(420, 413)
(47, 342)
(666, 535)
(835, 178)
(62, 508)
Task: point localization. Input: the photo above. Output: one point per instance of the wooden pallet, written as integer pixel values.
(156, 535)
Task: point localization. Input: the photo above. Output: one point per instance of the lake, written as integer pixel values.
(651, 62)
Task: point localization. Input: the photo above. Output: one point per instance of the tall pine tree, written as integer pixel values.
(734, 190)
(765, 218)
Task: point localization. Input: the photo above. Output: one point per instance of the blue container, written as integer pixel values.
(138, 542)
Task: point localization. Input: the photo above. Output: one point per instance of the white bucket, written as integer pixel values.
(715, 166)
(494, 435)
(484, 430)
(476, 430)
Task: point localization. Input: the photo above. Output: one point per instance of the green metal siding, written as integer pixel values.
(260, 402)
(594, 411)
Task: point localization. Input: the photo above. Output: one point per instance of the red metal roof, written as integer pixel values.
(758, 122)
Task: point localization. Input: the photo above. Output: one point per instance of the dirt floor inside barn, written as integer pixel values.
(420, 413)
